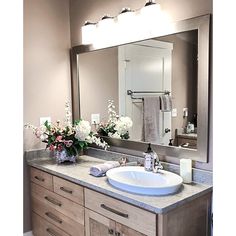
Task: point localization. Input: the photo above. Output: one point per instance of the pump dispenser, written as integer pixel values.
(150, 158)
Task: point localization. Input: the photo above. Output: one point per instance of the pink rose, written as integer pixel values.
(51, 147)
(59, 138)
(37, 133)
(68, 143)
(59, 148)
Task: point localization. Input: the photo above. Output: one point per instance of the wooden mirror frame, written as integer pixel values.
(202, 24)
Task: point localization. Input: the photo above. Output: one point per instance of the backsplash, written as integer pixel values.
(200, 176)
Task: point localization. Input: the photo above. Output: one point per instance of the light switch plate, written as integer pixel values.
(44, 119)
(95, 118)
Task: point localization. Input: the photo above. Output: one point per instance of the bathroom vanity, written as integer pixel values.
(187, 139)
(66, 200)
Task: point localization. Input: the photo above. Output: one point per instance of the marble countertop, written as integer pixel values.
(79, 173)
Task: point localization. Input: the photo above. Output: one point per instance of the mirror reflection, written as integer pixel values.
(153, 82)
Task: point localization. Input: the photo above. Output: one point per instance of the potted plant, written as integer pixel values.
(67, 140)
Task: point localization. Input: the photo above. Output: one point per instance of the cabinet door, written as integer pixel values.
(98, 225)
(122, 230)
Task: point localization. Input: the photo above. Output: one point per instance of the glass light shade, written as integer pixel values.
(105, 31)
(88, 33)
(151, 10)
(126, 23)
(150, 15)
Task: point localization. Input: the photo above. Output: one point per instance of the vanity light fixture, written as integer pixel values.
(106, 23)
(105, 30)
(126, 15)
(116, 30)
(88, 32)
(151, 9)
(125, 24)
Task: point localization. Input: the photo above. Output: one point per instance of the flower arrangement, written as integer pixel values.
(69, 138)
(116, 127)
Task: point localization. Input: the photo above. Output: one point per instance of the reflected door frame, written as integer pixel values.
(161, 53)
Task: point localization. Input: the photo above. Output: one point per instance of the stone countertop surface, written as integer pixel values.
(79, 173)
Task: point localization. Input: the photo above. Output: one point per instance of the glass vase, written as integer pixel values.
(62, 156)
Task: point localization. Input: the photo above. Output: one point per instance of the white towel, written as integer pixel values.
(166, 103)
(101, 169)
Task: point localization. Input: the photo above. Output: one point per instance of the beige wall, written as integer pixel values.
(46, 71)
(93, 10)
(46, 62)
(98, 73)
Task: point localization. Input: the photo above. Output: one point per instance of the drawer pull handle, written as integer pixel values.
(117, 233)
(114, 211)
(53, 201)
(53, 217)
(110, 231)
(66, 190)
(52, 232)
(39, 178)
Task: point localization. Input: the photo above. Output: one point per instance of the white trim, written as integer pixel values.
(156, 44)
(28, 234)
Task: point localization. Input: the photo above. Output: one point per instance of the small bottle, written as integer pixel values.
(170, 142)
(150, 158)
(190, 128)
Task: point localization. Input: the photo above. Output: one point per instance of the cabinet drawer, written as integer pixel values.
(59, 203)
(42, 178)
(43, 228)
(58, 219)
(126, 214)
(69, 190)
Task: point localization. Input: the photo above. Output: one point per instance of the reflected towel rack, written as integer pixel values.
(132, 93)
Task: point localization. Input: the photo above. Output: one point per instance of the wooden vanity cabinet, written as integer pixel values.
(57, 205)
(98, 225)
(182, 140)
(128, 218)
(63, 208)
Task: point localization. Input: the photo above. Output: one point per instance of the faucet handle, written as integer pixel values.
(157, 166)
(123, 161)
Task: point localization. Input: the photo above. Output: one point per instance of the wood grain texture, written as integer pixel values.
(42, 178)
(98, 225)
(69, 190)
(126, 231)
(58, 219)
(68, 208)
(191, 219)
(192, 142)
(43, 228)
(138, 219)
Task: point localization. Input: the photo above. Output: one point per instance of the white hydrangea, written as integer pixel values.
(123, 125)
(68, 117)
(97, 141)
(82, 130)
(115, 135)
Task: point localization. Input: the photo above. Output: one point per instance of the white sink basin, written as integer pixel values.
(136, 180)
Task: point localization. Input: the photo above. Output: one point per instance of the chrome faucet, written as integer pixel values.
(156, 165)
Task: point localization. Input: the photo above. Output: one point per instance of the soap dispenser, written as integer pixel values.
(149, 158)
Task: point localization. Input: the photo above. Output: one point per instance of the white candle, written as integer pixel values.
(186, 170)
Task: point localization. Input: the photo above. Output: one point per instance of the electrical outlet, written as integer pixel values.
(95, 119)
(174, 112)
(44, 119)
(185, 112)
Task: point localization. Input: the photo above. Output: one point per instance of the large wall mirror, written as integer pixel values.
(161, 83)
